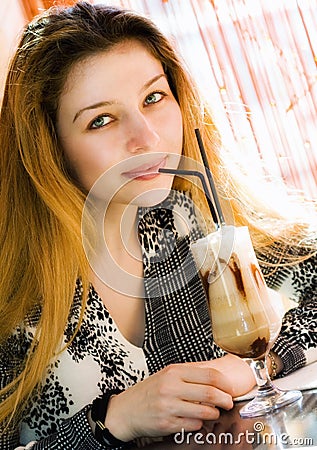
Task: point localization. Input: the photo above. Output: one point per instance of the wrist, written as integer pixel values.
(117, 425)
(104, 429)
(274, 364)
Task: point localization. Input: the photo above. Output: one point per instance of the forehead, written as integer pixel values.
(125, 62)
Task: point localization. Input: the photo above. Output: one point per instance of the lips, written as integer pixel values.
(146, 171)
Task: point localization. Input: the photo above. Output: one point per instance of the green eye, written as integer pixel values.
(155, 97)
(100, 121)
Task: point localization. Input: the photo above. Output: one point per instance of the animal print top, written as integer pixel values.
(177, 329)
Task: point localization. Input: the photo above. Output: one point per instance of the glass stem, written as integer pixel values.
(263, 380)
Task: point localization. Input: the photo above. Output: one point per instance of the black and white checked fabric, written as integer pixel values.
(178, 326)
(178, 322)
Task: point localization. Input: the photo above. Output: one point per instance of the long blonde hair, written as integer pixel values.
(41, 249)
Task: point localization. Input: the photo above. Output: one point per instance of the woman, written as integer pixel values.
(96, 102)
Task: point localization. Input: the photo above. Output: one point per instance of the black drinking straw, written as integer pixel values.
(216, 216)
(195, 173)
(209, 176)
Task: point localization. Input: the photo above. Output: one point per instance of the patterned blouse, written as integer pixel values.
(177, 329)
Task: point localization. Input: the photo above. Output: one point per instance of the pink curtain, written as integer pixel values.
(31, 8)
(255, 63)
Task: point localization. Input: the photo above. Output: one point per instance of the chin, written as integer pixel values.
(152, 197)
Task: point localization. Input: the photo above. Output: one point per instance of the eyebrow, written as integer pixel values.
(94, 106)
(112, 102)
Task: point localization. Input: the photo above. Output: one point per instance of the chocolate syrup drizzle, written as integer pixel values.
(234, 266)
(258, 347)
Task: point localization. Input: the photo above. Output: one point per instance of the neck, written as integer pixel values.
(118, 260)
(120, 228)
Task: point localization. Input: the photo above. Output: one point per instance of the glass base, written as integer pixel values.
(268, 402)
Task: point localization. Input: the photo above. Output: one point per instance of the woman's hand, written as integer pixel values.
(180, 396)
(237, 372)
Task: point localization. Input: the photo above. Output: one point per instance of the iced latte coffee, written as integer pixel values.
(243, 320)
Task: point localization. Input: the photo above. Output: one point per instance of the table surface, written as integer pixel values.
(292, 426)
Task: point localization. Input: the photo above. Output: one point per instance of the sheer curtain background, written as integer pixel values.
(255, 63)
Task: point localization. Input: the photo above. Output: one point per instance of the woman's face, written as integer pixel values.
(117, 115)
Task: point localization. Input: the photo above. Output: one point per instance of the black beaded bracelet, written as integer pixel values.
(98, 414)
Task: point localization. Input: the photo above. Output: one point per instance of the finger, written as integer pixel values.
(186, 424)
(199, 411)
(204, 374)
(206, 394)
(193, 410)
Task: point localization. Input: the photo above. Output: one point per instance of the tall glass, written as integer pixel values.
(244, 320)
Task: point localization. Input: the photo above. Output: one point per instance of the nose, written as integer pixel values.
(141, 135)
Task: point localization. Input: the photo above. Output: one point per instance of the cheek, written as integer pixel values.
(85, 162)
(174, 124)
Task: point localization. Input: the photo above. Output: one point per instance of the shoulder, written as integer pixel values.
(188, 218)
(293, 272)
(177, 213)
(159, 226)
(13, 352)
